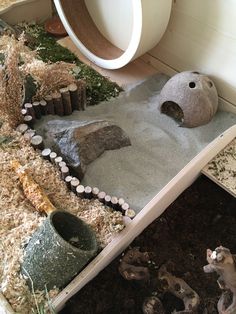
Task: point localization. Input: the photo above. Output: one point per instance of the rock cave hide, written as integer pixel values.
(190, 98)
(81, 142)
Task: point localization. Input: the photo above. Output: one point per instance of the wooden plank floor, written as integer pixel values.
(135, 71)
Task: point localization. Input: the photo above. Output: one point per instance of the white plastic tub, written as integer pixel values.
(148, 214)
(111, 33)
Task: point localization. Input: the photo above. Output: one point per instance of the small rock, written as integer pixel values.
(81, 142)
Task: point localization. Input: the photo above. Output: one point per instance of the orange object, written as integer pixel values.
(55, 27)
(34, 193)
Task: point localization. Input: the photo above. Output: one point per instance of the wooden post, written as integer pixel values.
(29, 120)
(61, 164)
(65, 94)
(22, 128)
(37, 109)
(58, 159)
(50, 104)
(58, 105)
(82, 91)
(23, 112)
(29, 134)
(67, 181)
(124, 207)
(37, 142)
(52, 157)
(101, 197)
(43, 107)
(95, 192)
(114, 202)
(80, 191)
(46, 153)
(88, 192)
(73, 184)
(64, 172)
(121, 201)
(74, 97)
(130, 213)
(108, 200)
(30, 110)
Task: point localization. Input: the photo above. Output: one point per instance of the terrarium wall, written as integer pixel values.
(201, 36)
(26, 11)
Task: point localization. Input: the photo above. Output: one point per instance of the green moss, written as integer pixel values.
(99, 88)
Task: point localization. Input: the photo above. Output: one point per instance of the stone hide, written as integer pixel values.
(81, 142)
(189, 97)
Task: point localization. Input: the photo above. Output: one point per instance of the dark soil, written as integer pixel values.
(202, 217)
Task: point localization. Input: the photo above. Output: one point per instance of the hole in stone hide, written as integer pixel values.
(173, 110)
(195, 72)
(210, 84)
(192, 85)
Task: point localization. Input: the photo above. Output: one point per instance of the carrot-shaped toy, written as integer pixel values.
(34, 193)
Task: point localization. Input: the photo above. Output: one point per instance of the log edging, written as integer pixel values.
(63, 103)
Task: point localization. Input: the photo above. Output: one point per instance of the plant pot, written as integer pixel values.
(61, 247)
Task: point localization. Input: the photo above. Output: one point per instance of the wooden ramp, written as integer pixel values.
(222, 168)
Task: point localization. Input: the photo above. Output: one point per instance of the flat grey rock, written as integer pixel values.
(81, 142)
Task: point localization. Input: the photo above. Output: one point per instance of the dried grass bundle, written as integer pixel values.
(20, 62)
(11, 85)
(49, 77)
(25, 54)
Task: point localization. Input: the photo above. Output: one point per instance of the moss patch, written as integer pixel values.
(99, 88)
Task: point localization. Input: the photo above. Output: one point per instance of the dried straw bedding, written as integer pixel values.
(19, 220)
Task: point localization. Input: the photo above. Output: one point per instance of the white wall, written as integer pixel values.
(202, 36)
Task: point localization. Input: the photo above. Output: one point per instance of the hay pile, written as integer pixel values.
(19, 220)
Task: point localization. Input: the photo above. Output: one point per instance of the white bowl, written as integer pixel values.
(112, 33)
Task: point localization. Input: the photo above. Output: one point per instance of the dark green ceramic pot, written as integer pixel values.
(61, 247)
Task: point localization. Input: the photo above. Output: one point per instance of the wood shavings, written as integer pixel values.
(222, 168)
(106, 225)
(19, 220)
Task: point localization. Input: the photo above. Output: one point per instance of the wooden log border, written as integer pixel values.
(68, 99)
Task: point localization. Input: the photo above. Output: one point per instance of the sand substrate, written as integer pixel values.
(19, 220)
(159, 150)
